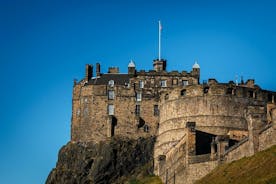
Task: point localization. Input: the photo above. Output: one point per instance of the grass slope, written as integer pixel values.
(146, 180)
(260, 168)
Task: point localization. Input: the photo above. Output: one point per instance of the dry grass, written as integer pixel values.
(258, 169)
(146, 180)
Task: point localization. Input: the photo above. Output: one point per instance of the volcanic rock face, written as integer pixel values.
(106, 162)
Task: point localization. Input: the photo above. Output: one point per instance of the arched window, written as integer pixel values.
(206, 90)
(183, 92)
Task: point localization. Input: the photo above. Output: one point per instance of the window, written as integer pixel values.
(206, 90)
(250, 94)
(185, 83)
(78, 112)
(155, 110)
(111, 95)
(111, 83)
(138, 96)
(137, 110)
(163, 83)
(166, 96)
(183, 92)
(141, 84)
(175, 81)
(110, 109)
(146, 128)
(229, 91)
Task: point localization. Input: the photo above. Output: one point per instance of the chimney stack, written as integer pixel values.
(98, 69)
(88, 72)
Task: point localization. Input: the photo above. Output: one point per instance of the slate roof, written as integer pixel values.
(119, 79)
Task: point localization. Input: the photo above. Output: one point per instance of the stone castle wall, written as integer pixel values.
(218, 109)
(90, 118)
(215, 112)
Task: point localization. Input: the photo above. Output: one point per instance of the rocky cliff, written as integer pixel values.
(112, 161)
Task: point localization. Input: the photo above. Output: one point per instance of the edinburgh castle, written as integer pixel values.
(197, 125)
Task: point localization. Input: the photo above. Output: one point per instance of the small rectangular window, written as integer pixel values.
(250, 94)
(137, 110)
(185, 83)
(155, 110)
(110, 109)
(111, 95)
(175, 81)
(141, 84)
(229, 91)
(138, 96)
(163, 83)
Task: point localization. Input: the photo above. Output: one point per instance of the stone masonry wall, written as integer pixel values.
(90, 119)
(267, 138)
(210, 114)
(238, 151)
(199, 170)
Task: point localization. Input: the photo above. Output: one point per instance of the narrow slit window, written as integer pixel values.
(141, 84)
(137, 110)
(155, 110)
(138, 96)
(110, 109)
(111, 95)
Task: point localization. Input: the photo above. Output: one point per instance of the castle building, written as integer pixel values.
(197, 126)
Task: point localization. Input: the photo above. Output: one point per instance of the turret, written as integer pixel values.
(159, 65)
(131, 68)
(196, 71)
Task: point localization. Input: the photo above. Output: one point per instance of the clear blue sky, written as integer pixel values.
(44, 45)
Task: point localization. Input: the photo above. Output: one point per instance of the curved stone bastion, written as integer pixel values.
(217, 109)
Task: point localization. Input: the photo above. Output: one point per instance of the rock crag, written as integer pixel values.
(111, 161)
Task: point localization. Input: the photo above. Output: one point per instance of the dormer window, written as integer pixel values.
(163, 83)
(111, 83)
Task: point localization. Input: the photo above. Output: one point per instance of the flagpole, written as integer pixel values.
(159, 41)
